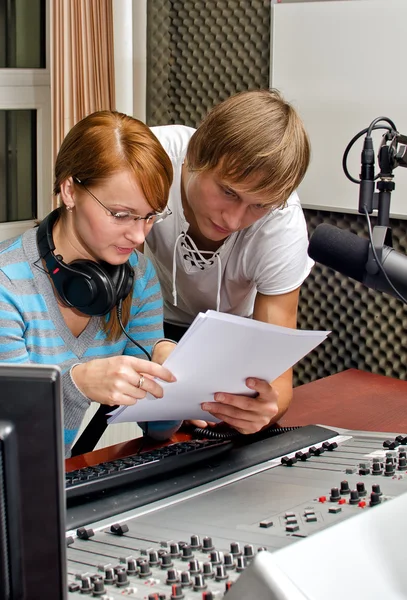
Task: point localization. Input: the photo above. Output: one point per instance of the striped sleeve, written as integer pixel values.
(146, 315)
(12, 326)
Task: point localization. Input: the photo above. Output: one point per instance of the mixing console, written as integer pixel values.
(202, 540)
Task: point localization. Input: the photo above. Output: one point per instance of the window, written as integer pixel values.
(22, 34)
(25, 115)
(18, 165)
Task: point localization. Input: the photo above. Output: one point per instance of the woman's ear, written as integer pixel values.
(67, 193)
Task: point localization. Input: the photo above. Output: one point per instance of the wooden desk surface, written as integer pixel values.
(352, 400)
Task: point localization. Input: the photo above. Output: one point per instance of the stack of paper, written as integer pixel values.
(217, 354)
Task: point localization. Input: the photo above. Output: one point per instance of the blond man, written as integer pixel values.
(236, 240)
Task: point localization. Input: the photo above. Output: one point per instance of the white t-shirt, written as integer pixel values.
(269, 257)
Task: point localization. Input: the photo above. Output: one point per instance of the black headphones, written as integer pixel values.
(93, 288)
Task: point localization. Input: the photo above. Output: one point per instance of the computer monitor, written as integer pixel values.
(32, 499)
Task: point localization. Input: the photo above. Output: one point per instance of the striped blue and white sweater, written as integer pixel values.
(32, 329)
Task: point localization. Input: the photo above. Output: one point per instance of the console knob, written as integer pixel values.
(215, 557)
(335, 495)
(354, 497)
(166, 561)
(185, 579)
(344, 487)
(131, 566)
(187, 552)
(122, 579)
(228, 561)
(176, 591)
(207, 544)
(376, 489)
(389, 469)
(374, 499)
(144, 569)
(220, 573)
(174, 549)
(86, 586)
(98, 588)
(376, 468)
(110, 576)
(195, 542)
(207, 570)
(241, 564)
(194, 568)
(172, 576)
(153, 557)
(361, 489)
(248, 551)
(235, 549)
(199, 583)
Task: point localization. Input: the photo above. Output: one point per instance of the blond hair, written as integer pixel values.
(102, 144)
(254, 139)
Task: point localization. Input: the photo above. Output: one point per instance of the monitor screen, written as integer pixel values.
(32, 524)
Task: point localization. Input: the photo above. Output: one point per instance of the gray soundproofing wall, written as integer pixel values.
(199, 53)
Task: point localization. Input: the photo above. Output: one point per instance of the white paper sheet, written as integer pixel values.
(219, 352)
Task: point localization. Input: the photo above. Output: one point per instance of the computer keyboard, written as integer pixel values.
(138, 467)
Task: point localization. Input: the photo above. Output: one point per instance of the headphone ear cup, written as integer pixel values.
(91, 290)
(122, 277)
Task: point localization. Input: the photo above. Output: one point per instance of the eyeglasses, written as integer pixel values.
(126, 217)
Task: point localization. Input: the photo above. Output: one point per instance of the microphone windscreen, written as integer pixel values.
(340, 250)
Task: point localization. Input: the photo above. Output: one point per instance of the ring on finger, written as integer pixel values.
(140, 382)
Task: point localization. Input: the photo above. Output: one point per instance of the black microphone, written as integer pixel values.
(348, 254)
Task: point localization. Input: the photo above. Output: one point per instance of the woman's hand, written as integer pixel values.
(245, 413)
(119, 379)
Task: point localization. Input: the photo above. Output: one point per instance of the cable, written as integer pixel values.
(377, 120)
(228, 434)
(119, 317)
(379, 264)
(351, 143)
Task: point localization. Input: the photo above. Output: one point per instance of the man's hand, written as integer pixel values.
(162, 351)
(245, 413)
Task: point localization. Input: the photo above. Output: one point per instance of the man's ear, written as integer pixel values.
(67, 193)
